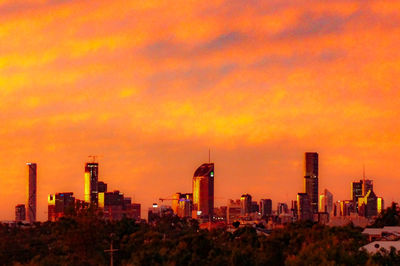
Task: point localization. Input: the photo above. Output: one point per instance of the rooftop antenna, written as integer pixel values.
(209, 155)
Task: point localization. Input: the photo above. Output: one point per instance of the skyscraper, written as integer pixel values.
(368, 205)
(359, 190)
(203, 191)
(60, 204)
(91, 182)
(304, 207)
(356, 190)
(245, 204)
(31, 206)
(182, 204)
(311, 179)
(326, 202)
(282, 208)
(233, 211)
(266, 207)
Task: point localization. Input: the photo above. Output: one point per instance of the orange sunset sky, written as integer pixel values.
(151, 85)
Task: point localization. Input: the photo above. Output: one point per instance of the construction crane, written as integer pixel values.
(94, 157)
(162, 199)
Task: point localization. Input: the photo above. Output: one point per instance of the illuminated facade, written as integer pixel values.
(380, 205)
(368, 205)
(20, 213)
(359, 190)
(115, 206)
(31, 205)
(91, 183)
(326, 202)
(203, 191)
(184, 208)
(175, 202)
(245, 204)
(182, 204)
(304, 208)
(311, 178)
(59, 205)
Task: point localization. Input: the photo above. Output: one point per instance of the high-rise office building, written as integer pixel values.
(245, 204)
(203, 191)
(356, 190)
(304, 208)
(346, 207)
(369, 185)
(182, 204)
(326, 202)
(368, 205)
(255, 208)
(282, 208)
(359, 189)
(59, 204)
(311, 179)
(91, 183)
(31, 206)
(266, 207)
(184, 207)
(233, 211)
(114, 206)
(20, 213)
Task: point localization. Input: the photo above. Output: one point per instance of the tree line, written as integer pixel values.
(81, 239)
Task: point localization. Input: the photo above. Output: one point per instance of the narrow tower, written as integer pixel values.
(311, 179)
(31, 206)
(91, 182)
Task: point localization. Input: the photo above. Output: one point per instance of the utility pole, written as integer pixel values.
(111, 251)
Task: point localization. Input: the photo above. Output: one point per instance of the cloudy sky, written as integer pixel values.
(150, 86)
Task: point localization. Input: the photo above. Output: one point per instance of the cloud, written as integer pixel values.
(151, 86)
(299, 60)
(310, 25)
(222, 41)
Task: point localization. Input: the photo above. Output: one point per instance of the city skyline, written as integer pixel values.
(201, 191)
(150, 87)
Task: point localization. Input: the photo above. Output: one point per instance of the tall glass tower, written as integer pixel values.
(31, 206)
(311, 179)
(203, 191)
(91, 182)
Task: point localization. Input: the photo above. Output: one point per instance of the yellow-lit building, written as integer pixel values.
(203, 191)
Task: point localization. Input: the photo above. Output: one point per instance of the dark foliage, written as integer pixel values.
(81, 240)
(388, 217)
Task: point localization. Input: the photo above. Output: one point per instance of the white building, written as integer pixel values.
(376, 246)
